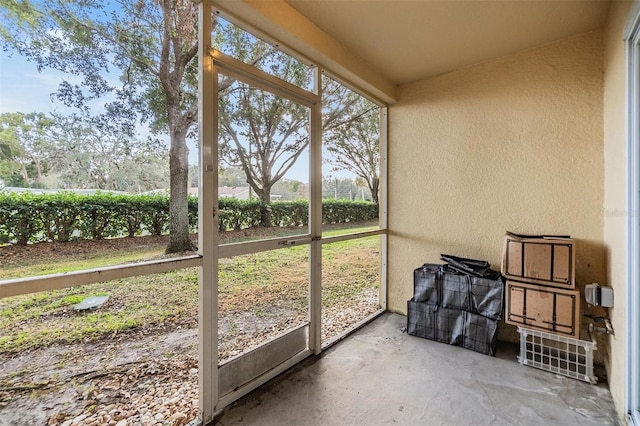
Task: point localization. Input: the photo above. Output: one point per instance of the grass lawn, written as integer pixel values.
(261, 285)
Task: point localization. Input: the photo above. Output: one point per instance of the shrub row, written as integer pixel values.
(29, 218)
(241, 214)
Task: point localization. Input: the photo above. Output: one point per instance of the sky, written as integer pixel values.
(24, 89)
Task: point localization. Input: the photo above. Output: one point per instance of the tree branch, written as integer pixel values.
(147, 65)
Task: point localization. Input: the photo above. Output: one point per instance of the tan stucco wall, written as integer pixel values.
(512, 144)
(615, 209)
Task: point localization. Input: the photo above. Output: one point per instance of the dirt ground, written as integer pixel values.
(145, 377)
(52, 252)
(50, 385)
(67, 381)
(12, 255)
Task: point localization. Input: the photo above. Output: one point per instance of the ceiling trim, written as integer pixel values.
(279, 21)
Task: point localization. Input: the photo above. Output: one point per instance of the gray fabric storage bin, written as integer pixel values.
(487, 297)
(455, 291)
(435, 285)
(480, 334)
(421, 319)
(425, 284)
(452, 326)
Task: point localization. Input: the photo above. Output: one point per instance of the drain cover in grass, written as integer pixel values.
(91, 302)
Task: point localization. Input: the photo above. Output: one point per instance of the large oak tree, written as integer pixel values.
(25, 147)
(352, 138)
(152, 45)
(149, 45)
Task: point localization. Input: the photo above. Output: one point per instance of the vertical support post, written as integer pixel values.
(207, 226)
(315, 220)
(383, 206)
(632, 363)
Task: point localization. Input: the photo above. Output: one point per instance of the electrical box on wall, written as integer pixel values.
(598, 296)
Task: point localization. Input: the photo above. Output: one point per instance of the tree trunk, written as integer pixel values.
(265, 214)
(179, 240)
(36, 161)
(374, 187)
(24, 174)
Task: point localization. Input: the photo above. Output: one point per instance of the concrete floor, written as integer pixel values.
(380, 375)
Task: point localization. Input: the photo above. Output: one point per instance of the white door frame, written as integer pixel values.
(217, 383)
(632, 39)
(207, 223)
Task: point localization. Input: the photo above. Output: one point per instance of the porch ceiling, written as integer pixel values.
(415, 39)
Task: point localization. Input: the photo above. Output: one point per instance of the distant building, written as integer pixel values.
(239, 192)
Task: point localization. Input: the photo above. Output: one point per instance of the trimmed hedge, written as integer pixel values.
(30, 218)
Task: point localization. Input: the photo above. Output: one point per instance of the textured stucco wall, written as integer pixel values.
(512, 144)
(615, 209)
